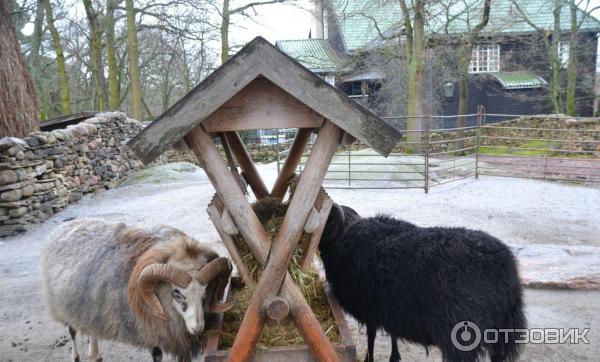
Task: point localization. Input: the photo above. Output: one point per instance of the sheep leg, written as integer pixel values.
(94, 350)
(395, 356)
(74, 351)
(157, 354)
(371, 333)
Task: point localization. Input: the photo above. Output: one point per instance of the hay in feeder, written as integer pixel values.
(270, 212)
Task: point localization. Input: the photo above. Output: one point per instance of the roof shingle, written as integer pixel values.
(315, 54)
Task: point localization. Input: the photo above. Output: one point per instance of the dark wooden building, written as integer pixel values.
(509, 69)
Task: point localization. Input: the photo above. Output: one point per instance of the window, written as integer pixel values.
(563, 52)
(485, 58)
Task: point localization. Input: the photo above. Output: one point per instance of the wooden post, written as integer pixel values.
(283, 247)
(258, 241)
(248, 169)
(231, 163)
(289, 166)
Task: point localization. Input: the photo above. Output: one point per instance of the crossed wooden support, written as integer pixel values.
(276, 294)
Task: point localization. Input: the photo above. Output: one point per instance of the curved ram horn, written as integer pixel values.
(213, 269)
(151, 276)
(219, 269)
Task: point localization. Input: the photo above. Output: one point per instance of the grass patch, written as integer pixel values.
(532, 148)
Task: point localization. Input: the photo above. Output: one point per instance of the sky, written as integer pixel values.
(275, 22)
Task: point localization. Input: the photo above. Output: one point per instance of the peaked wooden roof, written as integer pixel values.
(260, 58)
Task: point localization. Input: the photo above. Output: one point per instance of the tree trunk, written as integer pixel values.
(416, 67)
(134, 68)
(19, 103)
(34, 57)
(114, 90)
(65, 92)
(96, 63)
(572, 64)
(464, 59)
(555, 61)
(225, 32)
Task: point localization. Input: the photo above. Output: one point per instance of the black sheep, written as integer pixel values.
(418, 283)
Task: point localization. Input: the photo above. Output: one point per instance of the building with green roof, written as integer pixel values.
(508, 69)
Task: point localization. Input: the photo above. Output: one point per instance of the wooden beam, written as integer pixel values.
(258, 241)
(247, 165)
(313, 244)
(262, 105)
(284, 245)
(215, 217)
(291, 162)
(231, 163)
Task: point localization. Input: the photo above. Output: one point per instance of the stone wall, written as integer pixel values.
(42, 173)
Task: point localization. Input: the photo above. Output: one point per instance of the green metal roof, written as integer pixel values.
(505, 17)
(315, 54)
(519, 80)
(359, 20)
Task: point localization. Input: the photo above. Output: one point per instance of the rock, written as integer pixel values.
(31, 141)
(51, 138)
(8, 177)
(18, 212)
(559, 266)
(11, 196)
(21, 174)
(28, 190)
(39, 170)
(13, 150)
(10, 230)
(8, 142)
(40, 137)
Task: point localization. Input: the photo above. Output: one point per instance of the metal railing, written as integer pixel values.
(485, 144)
(547, 153)
(445, 149)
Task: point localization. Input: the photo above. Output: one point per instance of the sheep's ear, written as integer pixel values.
(350, 215)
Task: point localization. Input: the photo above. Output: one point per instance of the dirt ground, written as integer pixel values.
(521, 212)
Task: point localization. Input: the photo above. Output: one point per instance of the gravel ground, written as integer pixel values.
(518, 211)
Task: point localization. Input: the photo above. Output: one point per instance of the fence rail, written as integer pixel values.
(451, 148)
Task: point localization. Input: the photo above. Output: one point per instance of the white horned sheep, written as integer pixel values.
(148, 287)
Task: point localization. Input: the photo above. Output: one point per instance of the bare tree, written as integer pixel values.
(414, 48)
(96, 63)
(65, 92)
(134, 71)
(114, 88)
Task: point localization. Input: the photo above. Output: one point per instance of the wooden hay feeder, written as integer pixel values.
(262, 88)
